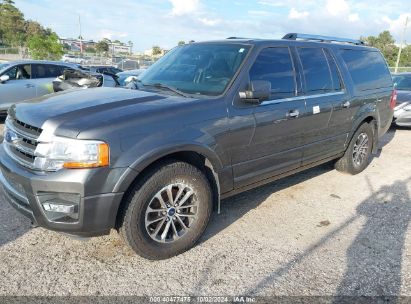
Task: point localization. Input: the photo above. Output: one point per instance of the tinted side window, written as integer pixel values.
(275, 66)
(335, 74)
(316, 72)
(47, 71)
(368, 69)
(39, 71)
(54, 70)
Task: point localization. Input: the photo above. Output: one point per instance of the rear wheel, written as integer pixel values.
(358, 154)
(167, 212)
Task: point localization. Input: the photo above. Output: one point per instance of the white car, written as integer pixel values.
(73, 59)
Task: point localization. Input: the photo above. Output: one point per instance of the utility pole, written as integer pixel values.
(401, 45)
(80, 37)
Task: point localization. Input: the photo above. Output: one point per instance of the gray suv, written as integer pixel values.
(22, 80)
(208, 120)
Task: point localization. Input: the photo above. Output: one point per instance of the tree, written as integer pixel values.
(45, 47)
(12, 24)
(66, 46)
(386, 43)
(406, 56)
(90, 50)
(181, 42)
(34, 28)
(102, 46)
(156, 50)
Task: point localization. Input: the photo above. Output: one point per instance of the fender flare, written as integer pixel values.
(359, 120)
(148, 158)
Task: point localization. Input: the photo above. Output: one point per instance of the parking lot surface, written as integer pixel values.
(319, 232)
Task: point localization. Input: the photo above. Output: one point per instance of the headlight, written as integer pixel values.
(71, 153)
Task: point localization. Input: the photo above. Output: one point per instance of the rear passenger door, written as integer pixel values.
(276, 145)
(43, 76)
(326, 113)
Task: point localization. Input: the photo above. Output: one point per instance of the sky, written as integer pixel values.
(165, 22)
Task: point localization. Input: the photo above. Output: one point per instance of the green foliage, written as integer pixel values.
(181, 42)
(45, 47)
(12, 24)
(90, 50)
(386, 43)
(102, 46)
(15, 31)
(156, 50)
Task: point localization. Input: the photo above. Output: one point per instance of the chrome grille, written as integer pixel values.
(20, 141)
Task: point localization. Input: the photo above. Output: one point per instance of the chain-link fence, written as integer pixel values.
(87, 59)
(400, 69)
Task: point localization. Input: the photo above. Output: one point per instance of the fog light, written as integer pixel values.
(55, 207)
(60, 207)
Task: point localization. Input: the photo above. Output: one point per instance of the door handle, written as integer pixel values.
(293, 114)
(346, 104)
(29, 85)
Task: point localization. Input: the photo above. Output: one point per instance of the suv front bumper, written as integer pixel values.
(25, 191)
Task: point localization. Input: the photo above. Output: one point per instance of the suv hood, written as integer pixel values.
(70, 112)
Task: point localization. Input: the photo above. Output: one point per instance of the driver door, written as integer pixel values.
(272, 141)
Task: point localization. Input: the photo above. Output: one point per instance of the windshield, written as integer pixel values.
(3, 66)
(204, 69)
(402, 82)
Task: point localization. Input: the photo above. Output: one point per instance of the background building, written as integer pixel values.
(114, 47)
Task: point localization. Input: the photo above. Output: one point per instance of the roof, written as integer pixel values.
(41, 62)
(315, 41)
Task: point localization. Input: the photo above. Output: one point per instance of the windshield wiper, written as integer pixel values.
(167, 87)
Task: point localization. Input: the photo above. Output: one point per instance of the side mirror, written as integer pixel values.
(259, 91)
(4, 78)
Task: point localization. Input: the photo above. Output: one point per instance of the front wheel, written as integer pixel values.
(167, 212)
(358, 154)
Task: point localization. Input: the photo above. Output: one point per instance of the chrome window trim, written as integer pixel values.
(302, 97)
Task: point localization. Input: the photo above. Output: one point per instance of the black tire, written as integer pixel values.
(347, 163)
(133, 219)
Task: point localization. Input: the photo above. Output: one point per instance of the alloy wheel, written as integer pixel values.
(171, 213)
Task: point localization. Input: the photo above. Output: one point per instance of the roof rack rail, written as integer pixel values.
(295, 36)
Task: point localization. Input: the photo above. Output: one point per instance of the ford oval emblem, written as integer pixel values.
(11, 137)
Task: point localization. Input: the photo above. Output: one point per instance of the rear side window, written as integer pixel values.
(54, 70)
(275, 65)
(316, 71)
(335, 74)
(368, 69)
(46, 71)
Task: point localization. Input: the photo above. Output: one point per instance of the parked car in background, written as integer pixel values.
(402, 111)
(21, 80)
(128, 64)
(209, 120)
(81, 79)
(102, 69)
(73, 59)
(124, 78)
